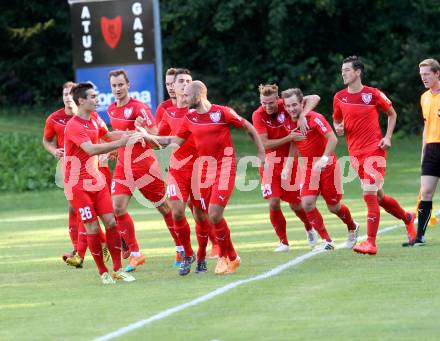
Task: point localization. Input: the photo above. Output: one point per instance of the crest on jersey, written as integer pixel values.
(215, 116)
(367, 98)
(128, 112)
(281, 117)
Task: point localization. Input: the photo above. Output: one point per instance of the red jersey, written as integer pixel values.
(273, 126)
(55, 125)
(211, 130)
(77, 132)
(162, 108)
(123, 118)
(314, 143)
(170, 125)
(360, 113)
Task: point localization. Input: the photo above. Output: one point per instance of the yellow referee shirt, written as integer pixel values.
(431, 113)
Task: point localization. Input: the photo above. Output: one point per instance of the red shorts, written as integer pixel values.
(179, 186)
(370, 167)
(273, 186)
(327, 183)
(91, 204)
(148, 181)
(216, 188)
(107, 174)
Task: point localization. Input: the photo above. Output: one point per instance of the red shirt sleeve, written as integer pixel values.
(160, 113)
(184, 131)
(320, 124)
(382, 101)
(144, 111)
(164, 127)
(260, 127)
(49, 130)
(337, 113)
(102, 127)
(232, 118)
(77, 134)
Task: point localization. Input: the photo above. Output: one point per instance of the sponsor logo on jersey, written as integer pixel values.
(235, 114)
(281, 117)
(215, 116)
(128, 112)
(384, 97)
(95, 125)
(147, 118)
(367, 98)
(321, 125)
(344, 99)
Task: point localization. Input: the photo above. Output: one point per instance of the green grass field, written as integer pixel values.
(337, 295)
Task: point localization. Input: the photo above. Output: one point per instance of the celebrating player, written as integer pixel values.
(214, 185)
(322, 173)
(269, 121)
(430, 102)
(356, 114)
(85, 187)
(179, 179)
(137, 166)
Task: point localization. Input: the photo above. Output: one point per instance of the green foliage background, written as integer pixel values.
(235, 45)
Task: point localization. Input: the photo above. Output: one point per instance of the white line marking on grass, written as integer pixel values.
(224, 289)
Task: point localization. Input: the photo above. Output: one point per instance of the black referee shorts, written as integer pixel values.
(431, 160)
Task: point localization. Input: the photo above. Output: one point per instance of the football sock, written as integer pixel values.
(316, 221)
(391, 206)
(373, 217)
(221, 235)
(73, 228)
(125, 227)
(232, 255)
(170, 225)
(279, 224)
(82, 240)
(96, 250)
(301, 214)
(183, 231)
(114, 246)
(202, 229)
(424, 214)
(345, 215)
(101, 234)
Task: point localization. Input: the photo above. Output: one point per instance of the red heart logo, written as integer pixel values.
(111, 30)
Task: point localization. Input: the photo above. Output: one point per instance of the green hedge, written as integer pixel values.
(24, 163)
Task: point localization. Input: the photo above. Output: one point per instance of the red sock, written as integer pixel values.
(232, 255)
(391, 205)
(183, 231)
(221, 236)
(279, 224)
(114, 246)
(82, 240)
(96, 250)
(125, 227)
(101, 234)
(211, 233)
(170, 225)
(202, 233)
(303, 217)
(345, 215)
(316, 221)
(373, 217)
(73, 228)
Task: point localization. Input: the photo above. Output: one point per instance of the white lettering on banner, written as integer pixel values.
(105, 99)
(138, 37)
(87, 37)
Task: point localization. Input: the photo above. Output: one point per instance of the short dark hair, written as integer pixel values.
(181, 71)
(118, 72)
(80, 91)
(293, 92)
(355, 62)
(171, 71)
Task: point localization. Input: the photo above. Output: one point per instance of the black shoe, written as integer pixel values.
(415, 242)
(201, 266)
(185, 266)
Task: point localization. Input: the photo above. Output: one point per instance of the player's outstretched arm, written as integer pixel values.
(310, 103)
(385, 143)
(52, 149)
(249, 128)
(102, 148)
(160, 141)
